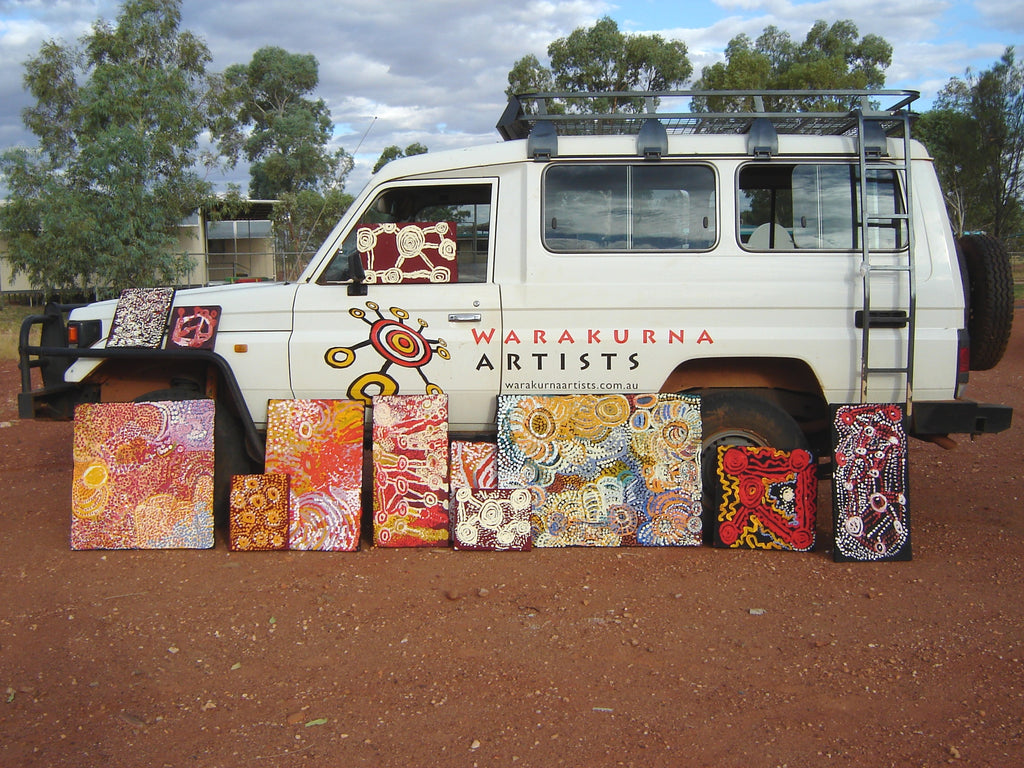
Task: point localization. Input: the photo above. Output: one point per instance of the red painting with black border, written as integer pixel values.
(193, 327)
(769, 499)
(871, 515)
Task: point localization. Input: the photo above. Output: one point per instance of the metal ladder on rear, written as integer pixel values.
(874, 156)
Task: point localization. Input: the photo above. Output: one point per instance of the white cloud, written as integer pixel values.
(1003, 15)
(434, 71)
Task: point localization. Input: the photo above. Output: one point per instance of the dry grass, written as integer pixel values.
(11, 316)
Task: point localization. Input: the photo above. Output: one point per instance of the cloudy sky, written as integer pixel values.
(434, 71)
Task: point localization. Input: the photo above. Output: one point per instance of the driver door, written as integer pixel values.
(430, 318)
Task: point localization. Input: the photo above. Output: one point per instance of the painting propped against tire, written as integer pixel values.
(398, 343)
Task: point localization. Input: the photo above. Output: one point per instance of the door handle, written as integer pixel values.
(464, 317)
(882, 318)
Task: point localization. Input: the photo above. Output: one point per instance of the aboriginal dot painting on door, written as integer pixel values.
(871, 517)
(410, 471)
(416, 252)
(769, 498)
(490, 519)
(606, 470)
(143, 476)
(259, 512)
(319, 445)
(140, 317)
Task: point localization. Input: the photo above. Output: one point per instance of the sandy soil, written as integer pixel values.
(636, 657)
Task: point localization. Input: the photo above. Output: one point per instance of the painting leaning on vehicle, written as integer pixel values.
(777, 265)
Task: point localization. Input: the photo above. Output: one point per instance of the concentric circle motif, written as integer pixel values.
(400, 344)
(541, 424)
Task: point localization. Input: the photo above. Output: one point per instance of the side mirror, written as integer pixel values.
(357, 274)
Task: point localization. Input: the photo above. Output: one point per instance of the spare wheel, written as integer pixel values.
(989, 300)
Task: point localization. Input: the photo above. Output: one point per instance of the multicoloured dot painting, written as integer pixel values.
(143, 476)
(259, 512)
(490, 519)
(605, 470)
(871, 518)
(473, 465)
(417, 252)
(769, 498)
(319, 445)
(140, 317)
(410, 470)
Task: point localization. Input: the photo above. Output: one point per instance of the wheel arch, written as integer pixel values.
(788, 382)
(124, 377)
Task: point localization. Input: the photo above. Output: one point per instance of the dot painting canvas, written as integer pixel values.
(193, 328)
(410, 470)
(140, 317)
(473, 465)
(416, 252)
(606, 470)
(871, 516)
(319, 445)
(143, 476)
(769, 499)
(490, 519)
(259, 512)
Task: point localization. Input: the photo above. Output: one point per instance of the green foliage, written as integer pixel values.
(830, 58)
(302, 220)
(976, 134)
(600, 59)
(265, 117)
(118, 121)
(528, 75)
(394, 152)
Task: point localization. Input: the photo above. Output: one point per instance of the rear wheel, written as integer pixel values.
(740, 418)
(230, 457)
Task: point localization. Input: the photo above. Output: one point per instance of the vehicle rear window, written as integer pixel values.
(629, 207)
(816, 206)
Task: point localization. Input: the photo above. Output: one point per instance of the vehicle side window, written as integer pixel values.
(652, 207)
(817, 206)
(430, 233)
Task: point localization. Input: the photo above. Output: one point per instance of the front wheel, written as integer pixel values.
(745, 419)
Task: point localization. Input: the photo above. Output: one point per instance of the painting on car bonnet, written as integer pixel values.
(259, 512)
(473, 465)
(140, 317)
(193, 328)
(410, 470)
(490, 519)
(871, 516)
(769, 498)
(143, 476)
(416, 252)
(319, 445)
(606, 470)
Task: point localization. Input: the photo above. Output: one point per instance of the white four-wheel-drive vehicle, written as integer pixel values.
(774, 262)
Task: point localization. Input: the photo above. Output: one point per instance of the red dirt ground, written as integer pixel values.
(635, 657)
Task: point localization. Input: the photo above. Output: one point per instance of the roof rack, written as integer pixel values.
(735, 112)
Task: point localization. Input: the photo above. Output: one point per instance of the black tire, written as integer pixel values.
(740, 418)
(230, 457)
(989, 300)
